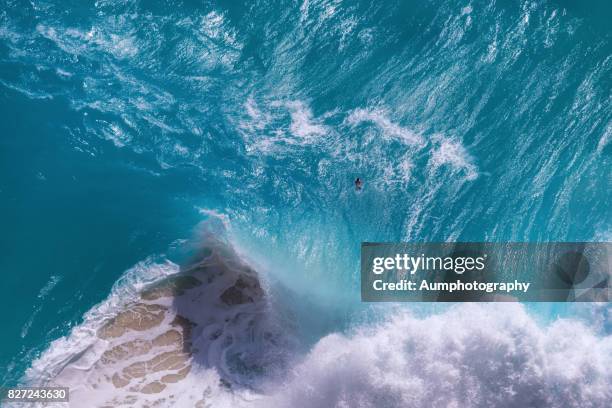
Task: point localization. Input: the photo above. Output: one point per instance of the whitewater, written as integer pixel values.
(181, 226)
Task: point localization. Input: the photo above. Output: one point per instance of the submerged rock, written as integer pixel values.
(210, 317)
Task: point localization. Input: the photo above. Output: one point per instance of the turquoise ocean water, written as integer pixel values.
(124, 124)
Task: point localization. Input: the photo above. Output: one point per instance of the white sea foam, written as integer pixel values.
(265, 128)
(42, 295)
(471, 356)
(114, 133)
(398, 173)
(61, 351)
(257, 119)
(448, 151)
(605, 138)
(182, 342)
(76, 41)
(215, 216)
(444, 150)
(389, 129)
(30, 93)
(303, 125)
(44, 291)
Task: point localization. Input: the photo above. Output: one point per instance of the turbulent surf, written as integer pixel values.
(180, 221)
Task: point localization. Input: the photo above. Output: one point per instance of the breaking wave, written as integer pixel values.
(467, 121)
(209, 334)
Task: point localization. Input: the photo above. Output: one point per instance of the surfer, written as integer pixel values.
(358, 184)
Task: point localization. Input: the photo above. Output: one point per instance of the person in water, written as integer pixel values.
(358, 183)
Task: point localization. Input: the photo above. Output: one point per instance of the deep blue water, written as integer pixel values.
(122, 123)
